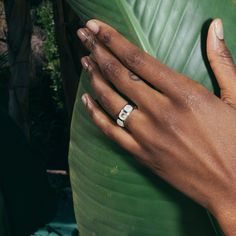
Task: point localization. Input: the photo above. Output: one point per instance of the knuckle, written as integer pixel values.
(107, 34)
(90, 71)
(92, 76)
(134, 58)
(195, 99)
(221, 56)
(106, 37)
(190, 102)
(224, 53)
(228, 98)
(105, 102)
(108, 130)
(91, 41)
(92, 113)
(133, 76)
(112, 69)
(190, 93)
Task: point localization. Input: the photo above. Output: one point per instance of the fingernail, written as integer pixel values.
(93, 26)
(85, 63)
(82, 34)
(219, 31)
(84, 99)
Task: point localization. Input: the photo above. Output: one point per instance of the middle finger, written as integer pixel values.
(110, 101)
(130, 85)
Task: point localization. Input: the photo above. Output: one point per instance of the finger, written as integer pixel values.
(126, 82)
(110, 100)
(141, 63)
(221, 60)
(109, 128)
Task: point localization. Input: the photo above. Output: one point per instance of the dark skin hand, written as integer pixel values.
(179, 130)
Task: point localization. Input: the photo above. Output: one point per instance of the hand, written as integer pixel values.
(179, 130)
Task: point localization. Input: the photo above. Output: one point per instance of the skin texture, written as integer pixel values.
(189, 137)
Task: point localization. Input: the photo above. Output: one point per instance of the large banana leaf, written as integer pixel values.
(113, 194)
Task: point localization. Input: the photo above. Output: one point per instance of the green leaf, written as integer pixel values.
(113, 194)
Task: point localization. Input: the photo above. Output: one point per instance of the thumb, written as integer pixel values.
(221, 62)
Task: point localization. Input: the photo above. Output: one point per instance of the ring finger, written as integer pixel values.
(111, 101)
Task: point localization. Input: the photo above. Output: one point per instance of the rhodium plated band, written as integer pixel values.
(123, 115)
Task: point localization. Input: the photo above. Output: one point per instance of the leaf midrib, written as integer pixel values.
(133, 22)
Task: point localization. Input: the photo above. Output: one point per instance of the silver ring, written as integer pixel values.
(123, 115)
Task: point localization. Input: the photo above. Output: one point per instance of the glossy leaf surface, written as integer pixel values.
(113, 194)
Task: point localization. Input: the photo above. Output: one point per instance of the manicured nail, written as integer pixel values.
(85, 63)
(219, 31)
(93, 26)
(84, 99)
(82, 34)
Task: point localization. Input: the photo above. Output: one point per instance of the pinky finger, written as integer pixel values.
(109, 128)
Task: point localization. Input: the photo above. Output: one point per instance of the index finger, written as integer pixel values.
(141, 63)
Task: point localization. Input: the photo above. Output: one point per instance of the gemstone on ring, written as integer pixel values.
(124, 113)
(120, 123)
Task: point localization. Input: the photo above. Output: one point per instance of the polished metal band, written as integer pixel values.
(123, 115)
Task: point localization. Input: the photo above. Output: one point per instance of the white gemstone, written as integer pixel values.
(128, 108)
(120, 123)
(123, 115)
